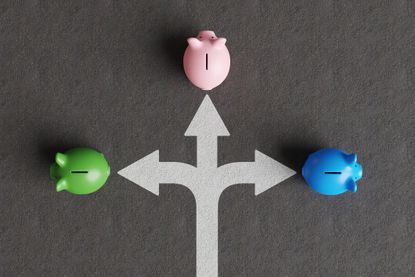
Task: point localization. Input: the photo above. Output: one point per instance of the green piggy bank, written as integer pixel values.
(80, 170)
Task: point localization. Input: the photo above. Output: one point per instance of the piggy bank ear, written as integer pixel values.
(194, 42)
(219, 42)
(351, 159)
(61, 159)
(61, 185)
(351, 185)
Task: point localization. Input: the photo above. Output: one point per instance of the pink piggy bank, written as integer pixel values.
(206, 60)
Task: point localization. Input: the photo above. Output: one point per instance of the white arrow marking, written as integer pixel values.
(265, 172)
(206, 181)
(207, 126)
(149, 172)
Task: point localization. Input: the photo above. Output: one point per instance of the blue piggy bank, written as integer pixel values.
(330, 171)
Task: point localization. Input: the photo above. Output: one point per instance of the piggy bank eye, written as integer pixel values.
(200, 37)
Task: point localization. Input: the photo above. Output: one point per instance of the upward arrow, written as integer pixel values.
(207, 126)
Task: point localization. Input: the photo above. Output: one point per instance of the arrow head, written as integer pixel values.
(271, 172)
(207, 122)
(144, 172)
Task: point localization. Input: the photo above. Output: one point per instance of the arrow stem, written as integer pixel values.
(207, 152)
(174, 172)
(239, 173)
(207, 235)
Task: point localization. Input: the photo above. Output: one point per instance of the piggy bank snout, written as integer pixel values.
(206, 34)
(358, 171)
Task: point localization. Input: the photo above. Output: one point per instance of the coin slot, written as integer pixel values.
(207, 61)
(332, 172)
(79, 171)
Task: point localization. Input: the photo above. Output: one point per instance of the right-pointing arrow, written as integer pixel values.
(269, 172)
(265, 172)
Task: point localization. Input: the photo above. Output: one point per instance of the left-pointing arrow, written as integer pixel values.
(149, 172)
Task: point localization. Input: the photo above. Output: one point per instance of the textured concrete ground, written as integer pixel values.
(304, 75)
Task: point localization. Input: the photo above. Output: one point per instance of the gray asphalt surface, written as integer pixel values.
(304, 75)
